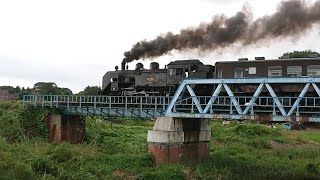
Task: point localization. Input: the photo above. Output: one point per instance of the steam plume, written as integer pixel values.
(291, 19)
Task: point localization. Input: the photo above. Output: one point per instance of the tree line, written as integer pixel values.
(47, 88)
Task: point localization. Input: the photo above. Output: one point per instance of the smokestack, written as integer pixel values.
(292, 18)
(123, 65)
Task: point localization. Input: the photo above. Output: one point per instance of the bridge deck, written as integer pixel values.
(185, 102)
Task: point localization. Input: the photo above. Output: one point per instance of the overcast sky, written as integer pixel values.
(74, 42)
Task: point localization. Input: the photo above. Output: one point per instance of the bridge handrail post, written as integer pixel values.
(231, 112)
(192, 103)
(68, 103)
(126, 103)
(42, 100)
(297, 110)
(290, 102)
(252, 112)
(274, 107)
(140, 105)
(163, 104)
(35, 100)
(155, 104)
(57, 100)
(109, 97)
(211, 102)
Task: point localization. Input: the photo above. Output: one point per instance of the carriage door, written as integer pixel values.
(238, 72)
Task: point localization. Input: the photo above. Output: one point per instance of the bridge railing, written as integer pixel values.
(67, 101)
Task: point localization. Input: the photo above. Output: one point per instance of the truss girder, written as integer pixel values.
(275, 99)
(221, 84)
(254, 98)
(316, 88)
(233, 99)
(213, 98)
(194, 98)
(298, 100)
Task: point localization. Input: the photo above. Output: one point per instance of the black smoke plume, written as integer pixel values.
(292, 18)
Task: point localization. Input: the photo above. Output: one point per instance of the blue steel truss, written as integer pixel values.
(255, 107)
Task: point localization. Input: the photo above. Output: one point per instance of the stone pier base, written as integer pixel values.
(179, 139)
(65, 128)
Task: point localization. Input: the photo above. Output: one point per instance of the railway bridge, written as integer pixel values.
(182, 129)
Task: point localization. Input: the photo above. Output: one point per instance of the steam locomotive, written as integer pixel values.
(155, 81)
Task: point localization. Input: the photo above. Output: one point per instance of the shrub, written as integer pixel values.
(254, 130)
(61, 152)
(33, 121)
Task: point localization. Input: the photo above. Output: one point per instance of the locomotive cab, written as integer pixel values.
(188, 69)
(184, 69)
(114, 81)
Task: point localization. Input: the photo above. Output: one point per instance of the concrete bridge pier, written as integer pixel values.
(65, 128)
(179, 139)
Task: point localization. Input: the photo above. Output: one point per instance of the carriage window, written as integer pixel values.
(252, 70)
(219, 74)
(294, 71)
(275, 71)
(314, 70)
(238, 72)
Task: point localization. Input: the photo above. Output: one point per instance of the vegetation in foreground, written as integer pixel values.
(117, 149)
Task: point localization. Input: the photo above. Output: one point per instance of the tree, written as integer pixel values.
(17, 89)
(47, 88)
(65, 91)
(90, 90)
(10, 89)
(300, 54)
(22, 93)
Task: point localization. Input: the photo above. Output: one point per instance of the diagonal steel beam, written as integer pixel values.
(254, 98)
(276, 100)
(316, 88)
(233, 99)
(194, 98)
(213, 98)
(298, 100)
(175, 97)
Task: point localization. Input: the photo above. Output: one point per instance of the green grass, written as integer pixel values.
(116, 148)
(313, 136)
